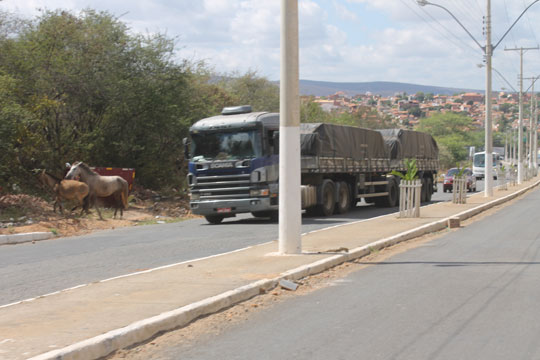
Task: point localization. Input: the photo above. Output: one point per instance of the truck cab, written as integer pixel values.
(233, 166)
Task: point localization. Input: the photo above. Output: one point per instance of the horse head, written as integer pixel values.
(74, 171)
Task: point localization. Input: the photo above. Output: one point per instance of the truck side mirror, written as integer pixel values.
(275, 141)
(185, 141)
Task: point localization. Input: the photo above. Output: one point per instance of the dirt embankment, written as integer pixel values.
(23, 213)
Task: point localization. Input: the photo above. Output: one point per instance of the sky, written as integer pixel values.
(340, 40)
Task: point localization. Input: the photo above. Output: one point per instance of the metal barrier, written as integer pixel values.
(409, 198)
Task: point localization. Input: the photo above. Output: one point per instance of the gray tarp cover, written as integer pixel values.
(406, 144)
(319, 139)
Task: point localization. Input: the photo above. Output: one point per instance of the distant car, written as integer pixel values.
(448, 182)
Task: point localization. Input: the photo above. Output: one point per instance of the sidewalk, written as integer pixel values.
(92, 321)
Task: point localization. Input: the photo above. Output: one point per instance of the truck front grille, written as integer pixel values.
(222, 187)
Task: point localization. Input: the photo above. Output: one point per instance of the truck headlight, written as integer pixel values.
(258, 192)
(191, 179)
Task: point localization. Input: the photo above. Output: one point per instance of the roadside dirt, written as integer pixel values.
(23, 213)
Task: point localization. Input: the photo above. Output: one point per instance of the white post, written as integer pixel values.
(290, 216)
(535, 137)
(520, 128)
(488, 175)
(531, 130)
(534, 132)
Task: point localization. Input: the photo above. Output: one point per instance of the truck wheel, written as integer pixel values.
(423, 191)
(392, 198)
(214, 219)
(429, 186)
(344, 198)
(328, 198)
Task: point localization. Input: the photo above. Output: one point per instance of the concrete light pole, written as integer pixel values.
(290, 217)
(531, 130)
(488, 51)
(488, 138)
(535, 136)
(533, 158)
(520, 128)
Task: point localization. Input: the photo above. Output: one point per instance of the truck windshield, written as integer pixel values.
(226, 145)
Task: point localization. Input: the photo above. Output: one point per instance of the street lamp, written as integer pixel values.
(488, 52)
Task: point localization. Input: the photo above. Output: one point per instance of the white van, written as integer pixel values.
(479, 164)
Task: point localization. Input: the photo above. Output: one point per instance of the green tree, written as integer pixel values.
(252, 89)
(454, 134)
(96, 93)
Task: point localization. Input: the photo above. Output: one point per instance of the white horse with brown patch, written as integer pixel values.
(101, 186)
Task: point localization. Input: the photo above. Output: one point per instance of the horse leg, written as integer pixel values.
(86, 205)
(60, 204)
(97, 209)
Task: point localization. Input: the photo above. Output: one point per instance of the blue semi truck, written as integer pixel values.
(233, 165)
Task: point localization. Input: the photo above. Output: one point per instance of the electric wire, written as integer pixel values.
(530, 25)
(475, 50)
(438, 30)
(508, 20)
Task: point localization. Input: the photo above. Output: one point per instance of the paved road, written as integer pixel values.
(471, 294)
(30, 270)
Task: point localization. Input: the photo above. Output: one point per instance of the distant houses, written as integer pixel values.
(407, 110)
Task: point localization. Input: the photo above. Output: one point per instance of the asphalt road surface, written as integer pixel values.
(470, 294)
(29, 270)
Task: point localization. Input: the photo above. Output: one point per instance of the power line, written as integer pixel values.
(447, 30)
(508, 19)
(530, 26)
(438, 30)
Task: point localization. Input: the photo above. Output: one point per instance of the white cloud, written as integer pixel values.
(407, 43)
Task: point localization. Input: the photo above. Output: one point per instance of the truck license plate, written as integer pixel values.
(224, 210)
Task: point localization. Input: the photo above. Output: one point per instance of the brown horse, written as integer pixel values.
(101, 186)
(65, 190)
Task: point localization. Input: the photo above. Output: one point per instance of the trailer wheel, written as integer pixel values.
(214, 219)
(328, 198)
(429, 186)
(392, 199)
(424, 191)
(344, 198)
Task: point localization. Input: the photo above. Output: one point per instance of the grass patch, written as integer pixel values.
(373, 250)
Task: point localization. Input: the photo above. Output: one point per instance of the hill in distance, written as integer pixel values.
(383, 88)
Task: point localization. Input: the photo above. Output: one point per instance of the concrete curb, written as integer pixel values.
(105, 344)
(20, 238)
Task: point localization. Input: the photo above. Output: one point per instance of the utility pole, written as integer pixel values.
(520, 129)
(531, 126)
(290, 216)
(506, 156)
(534, 130)
(488, 140)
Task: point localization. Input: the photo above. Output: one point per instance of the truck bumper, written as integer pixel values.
(231, 207)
